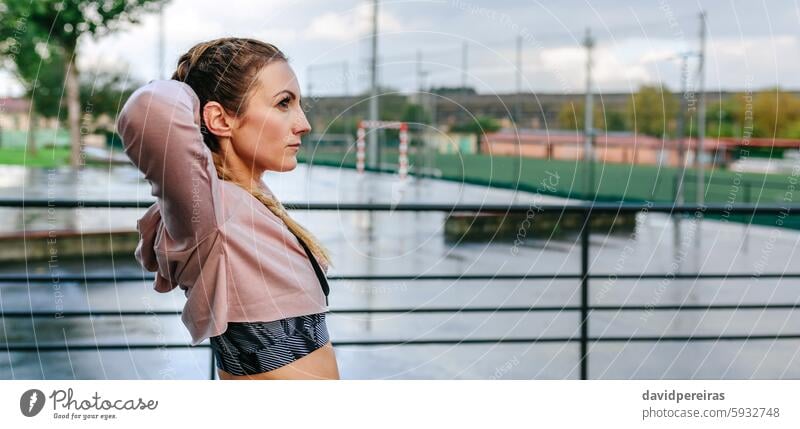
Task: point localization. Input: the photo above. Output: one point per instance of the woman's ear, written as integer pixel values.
(217, 119)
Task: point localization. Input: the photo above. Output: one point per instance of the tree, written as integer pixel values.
(41, 73)
(104, 91)
(773, 113)
(391, 106)
(615, 120)
(652, 111)
(453, 90)
(571, 117)
(53, 28)
(416, 114)
(724, 118)
(767, 113)
(340, 125)
(478, 126)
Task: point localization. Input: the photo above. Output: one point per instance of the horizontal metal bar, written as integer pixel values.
(671, 338)
(693, 307)
(62, 203)
(96, 278)
(696, 307)
(85, 347)
(571, 340)
(58, 315)
(599, 207)
(546, 308)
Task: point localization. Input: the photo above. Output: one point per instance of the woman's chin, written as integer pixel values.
(289, 163)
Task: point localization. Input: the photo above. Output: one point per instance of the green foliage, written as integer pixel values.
(571, 116)
(652, 111)
(341, 125)
(38, 66)
(453, 90)
(391, 107)
(774, 113)
(104, 92)
(416, 114)
(768, 113)
(615, 121)
(38, 41)
(480, 125)
(62, 22)
(793, 130)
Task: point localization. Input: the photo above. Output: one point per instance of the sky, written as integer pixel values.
(750, 44)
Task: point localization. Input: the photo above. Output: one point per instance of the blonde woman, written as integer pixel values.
(254, 278)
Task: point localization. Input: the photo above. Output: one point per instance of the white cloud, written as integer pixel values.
(331, 25)
(350, 24)
(186, 22)
(569, 65)
(756, 61)
(315, 31)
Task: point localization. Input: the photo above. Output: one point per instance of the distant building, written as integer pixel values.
(466, 143)
(536, 110)
(15, 115)
(15, 121)
(624, 147)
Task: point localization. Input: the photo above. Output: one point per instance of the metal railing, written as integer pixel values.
(584, 276)
(724, 190)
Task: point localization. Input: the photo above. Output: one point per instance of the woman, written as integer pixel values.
(254, 278)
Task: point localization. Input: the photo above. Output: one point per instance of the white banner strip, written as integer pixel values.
(400, 404)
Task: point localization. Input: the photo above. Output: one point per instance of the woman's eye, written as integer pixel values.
(284, 103)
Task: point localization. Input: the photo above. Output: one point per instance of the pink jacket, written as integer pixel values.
(235, 260)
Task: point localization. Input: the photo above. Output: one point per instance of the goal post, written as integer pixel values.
(363, 126)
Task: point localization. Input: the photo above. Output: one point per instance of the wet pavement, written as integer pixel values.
(413, 243)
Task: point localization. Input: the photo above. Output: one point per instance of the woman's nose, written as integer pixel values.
(301, 125)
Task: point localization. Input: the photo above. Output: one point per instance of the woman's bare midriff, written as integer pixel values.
(317, 365)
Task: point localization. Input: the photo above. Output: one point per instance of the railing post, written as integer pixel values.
(213, 367)
(585, 292)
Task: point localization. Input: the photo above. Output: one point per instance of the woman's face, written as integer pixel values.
(267, 134)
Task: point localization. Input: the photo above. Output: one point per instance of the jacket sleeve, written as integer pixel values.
(160, 130)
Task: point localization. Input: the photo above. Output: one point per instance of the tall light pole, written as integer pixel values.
(310, 81)
(161, 41)
(588, 124)
(680, 129)
(372, 137)
(464, 65)
(518, 104)
(346, 78)
(701, 111)
(419, 76)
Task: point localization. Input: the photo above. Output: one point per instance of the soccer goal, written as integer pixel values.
(403, 148)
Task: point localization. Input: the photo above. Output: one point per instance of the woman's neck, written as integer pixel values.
(236, 170)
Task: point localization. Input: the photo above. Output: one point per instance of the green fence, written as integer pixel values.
(610, 182)
(44, 137)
